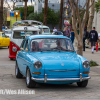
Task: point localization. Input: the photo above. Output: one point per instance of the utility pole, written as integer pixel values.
(1, 14)
(45, 12)
(61, 12)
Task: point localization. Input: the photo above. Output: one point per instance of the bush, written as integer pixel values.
(93, 63)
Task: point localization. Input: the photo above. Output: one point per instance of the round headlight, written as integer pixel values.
(86, 64)
(14, 49)
(37, 64)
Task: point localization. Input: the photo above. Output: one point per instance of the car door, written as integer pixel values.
(20, 56)
(25, 56)
(6, 40)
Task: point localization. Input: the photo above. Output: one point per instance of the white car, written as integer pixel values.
(8, 32)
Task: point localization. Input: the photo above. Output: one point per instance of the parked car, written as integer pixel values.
(57, 33)
(43, 61)
(4, 40)
(18, 34)
(8, 32)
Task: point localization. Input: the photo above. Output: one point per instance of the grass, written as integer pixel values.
(93, 63)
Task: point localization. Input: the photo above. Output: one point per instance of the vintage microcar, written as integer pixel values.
(4, 40)
(17, 36)
(51, 59)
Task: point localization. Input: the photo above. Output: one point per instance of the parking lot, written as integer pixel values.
(46, 91)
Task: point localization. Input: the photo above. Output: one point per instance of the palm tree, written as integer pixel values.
(25, 9)
(61, 12)
(1, 15)
(45, 12)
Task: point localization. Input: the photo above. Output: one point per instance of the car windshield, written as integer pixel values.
(8, 32)
(54, 44)
(21, 34)
(44, 30)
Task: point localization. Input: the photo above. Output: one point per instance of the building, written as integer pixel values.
(19, 4)
(53, 4)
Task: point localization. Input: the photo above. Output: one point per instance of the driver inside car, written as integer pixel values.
(59, 45)
(35, 46)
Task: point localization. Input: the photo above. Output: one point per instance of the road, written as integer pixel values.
(45, 91)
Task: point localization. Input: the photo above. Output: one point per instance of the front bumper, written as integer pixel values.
(61, 79)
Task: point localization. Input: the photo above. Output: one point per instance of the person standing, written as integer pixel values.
(72, 35)
(54, 30)
(67, 32)
(85, 35)
(93, 36)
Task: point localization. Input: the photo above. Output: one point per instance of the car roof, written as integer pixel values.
(8, 30)
(45, 36)
(21, 28)
(40, 26)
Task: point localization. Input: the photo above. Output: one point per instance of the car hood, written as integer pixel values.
(55, 59)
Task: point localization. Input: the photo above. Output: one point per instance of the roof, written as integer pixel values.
(29, 28)
(40, 26)
(46, 36)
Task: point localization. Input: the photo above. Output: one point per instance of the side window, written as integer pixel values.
(26, 45)
(0, 34)
(22, 45)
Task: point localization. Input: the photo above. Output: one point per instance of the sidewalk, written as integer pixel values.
(88, 55)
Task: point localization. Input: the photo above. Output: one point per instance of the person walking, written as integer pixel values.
(93, 36)
(72, 35)
(85, 35)
(67, 32)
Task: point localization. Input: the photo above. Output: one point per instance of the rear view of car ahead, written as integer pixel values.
(51, 59)
(4, 40)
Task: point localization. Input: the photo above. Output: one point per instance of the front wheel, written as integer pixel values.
(29, 82)
(82, 84)
(17, 72)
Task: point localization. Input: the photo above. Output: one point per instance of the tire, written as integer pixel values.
(11, 58)
(17, 72)
(82, 84)
(8, 46)
(29, 82)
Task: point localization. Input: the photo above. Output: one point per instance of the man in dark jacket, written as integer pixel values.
(93, 36)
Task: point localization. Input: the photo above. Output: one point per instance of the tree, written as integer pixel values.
(1, 15)
(45, 12)
(74, 4)
(97, 6)
(91, 16)
(61, 12)
(25, 9)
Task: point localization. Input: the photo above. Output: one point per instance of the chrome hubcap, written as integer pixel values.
(28, 77)
(16, 70)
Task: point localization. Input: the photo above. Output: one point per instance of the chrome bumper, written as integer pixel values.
(61, 79)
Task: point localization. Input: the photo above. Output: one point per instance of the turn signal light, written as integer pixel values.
(37, 73)
(85, 72)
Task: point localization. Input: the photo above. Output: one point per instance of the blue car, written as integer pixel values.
(51, 59)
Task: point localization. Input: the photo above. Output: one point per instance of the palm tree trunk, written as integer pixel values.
(45, 12)
(61, 12)
(25, 9)
(1, 15)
